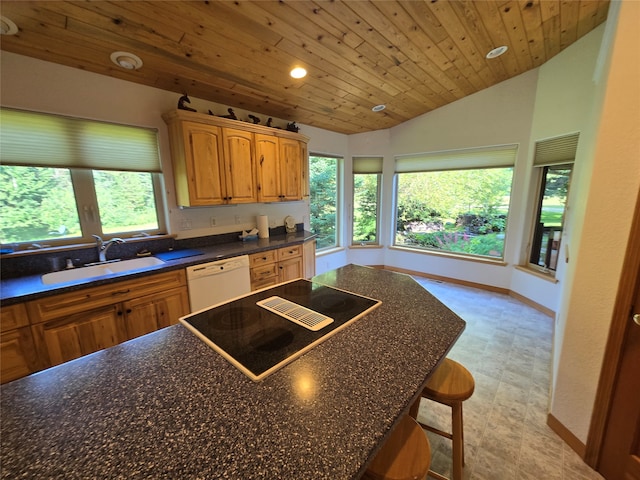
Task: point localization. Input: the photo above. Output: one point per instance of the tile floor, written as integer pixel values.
(507, 348)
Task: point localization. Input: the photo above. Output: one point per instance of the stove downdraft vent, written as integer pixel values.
(295, 313)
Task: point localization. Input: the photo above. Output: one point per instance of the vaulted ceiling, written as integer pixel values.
(412, 56)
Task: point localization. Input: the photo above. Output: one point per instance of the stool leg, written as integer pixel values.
(458, 440)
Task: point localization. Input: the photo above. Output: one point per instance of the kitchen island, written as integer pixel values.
(165, 405)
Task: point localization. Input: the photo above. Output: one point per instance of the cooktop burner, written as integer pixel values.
(259, 341)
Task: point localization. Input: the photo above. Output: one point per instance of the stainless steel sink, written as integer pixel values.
(99, 270)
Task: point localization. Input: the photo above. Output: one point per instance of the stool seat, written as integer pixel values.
(451, 382)
(405, 455)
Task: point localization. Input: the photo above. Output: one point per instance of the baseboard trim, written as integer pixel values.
(531, 303)
(567, 437)
(506, 291)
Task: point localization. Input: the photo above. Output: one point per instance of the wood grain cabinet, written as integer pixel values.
(279, 168)
(74, 324)
(220, 161)
(17, 350)
(275, 266)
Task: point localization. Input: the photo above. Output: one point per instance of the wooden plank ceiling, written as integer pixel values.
(412, 56)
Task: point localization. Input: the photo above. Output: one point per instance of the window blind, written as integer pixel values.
(367, 164)
(556, 151)
(484, 157)
(46, 140)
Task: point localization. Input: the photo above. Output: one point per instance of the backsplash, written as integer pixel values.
(14, 266)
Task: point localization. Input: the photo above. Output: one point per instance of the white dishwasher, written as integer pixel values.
(217, 282)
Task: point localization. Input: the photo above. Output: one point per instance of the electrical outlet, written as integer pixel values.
(185, 225)
(237, 217)
(213, 221)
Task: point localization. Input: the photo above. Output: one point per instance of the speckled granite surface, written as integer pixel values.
(165, 405)
(30, 287)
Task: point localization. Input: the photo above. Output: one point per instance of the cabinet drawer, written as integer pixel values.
(267, 282)
(262, 258)
(290, 252)
(263, 272)
(70, 303)
(13, 316)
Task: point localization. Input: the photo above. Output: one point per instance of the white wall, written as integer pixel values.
(498, 115)
(598, 248)
(564, 104)
(47, 87)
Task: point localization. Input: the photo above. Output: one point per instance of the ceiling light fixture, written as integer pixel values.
(298, 72)
(378, 108)
(126, 60)
(496, 52)
(7, 27)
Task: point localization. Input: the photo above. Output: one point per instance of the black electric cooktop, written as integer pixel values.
(263, 331)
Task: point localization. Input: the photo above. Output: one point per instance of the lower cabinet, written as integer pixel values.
(275, 266)
(17, 351)
(74, 324)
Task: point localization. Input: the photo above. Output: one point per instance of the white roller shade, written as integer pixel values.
(470, 158)
(45, 140)
(556, 151)
(367, 164)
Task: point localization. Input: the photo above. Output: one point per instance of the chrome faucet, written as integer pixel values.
(104, 246)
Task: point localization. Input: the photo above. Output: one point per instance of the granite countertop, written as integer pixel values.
(165, 405)
(30, 287)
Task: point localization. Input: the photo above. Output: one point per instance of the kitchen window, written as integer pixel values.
(367, 176)
(455, 201)
(553, 165)
(324, 179)
(64, 179)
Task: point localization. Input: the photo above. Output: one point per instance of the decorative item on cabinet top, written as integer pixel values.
(290, 127)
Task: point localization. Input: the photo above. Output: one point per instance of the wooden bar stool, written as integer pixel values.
(451, 384)
(406, 454)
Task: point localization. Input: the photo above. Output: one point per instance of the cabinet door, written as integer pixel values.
(17, 354)
(290, 169)
(239, 166)
(309, 258)
(268, 168)
(290, 269)
(204, 164)
(58, 341)
(153, 312)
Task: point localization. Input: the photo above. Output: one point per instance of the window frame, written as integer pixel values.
(61, 143)
(540, 177)
(338, 207)
(477, 158)
(368, 166)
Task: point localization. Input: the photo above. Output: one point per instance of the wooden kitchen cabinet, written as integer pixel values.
(74, 324)
(17, 350)
(198, 164)
(279, 168)
(152, 312)
(221, 161)
(63, 339)
(275, 266)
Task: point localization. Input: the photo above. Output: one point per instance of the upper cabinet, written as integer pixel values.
(279, 168)
(220, 161)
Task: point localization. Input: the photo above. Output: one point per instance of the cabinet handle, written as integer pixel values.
(120, 313)
(261, 159)
(128, 310)
(121, 292)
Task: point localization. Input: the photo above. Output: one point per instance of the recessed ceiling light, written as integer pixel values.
(496, 52)
(298, 72)
(126, 60)
(378, 108)
(7, 27)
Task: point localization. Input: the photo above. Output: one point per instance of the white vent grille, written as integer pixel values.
(296, 313)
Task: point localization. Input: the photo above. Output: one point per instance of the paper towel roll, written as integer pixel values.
(263, 226)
